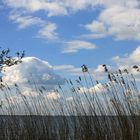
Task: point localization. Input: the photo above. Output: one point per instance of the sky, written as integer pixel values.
(59, 36)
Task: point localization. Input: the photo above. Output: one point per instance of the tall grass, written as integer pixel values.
(83, 109)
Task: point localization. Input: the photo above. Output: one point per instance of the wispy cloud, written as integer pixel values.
(24, 21)
(76, 45)
(69, 69)
(49, 32)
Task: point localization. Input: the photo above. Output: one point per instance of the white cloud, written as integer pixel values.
(69, 99)
(109, 3)
(70, 69)
(64, 7)
(48, 32)
(132, 59)
(63, 67)
(97, 30)
(43, 103)
(25, 21)
(98, 88)
(76, 45)
(124, 62)
(34, 70)
(12, 100)
(99, 73)
(127, 62)
(74, 6)
(52, 8)
(53, 96)
(120, 21)
(28, 91)
(96, 26)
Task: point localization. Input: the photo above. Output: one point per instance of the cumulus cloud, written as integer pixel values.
(99, 73)
(132, 59)
(129, 61)
(124, 62)
(34, 70)
(53, 96)
(98, 88)
(35, 80)
(120, 20)
(76, 45)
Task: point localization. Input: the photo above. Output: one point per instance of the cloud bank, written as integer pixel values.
(34, 70)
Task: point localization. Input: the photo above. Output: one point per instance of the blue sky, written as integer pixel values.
(68, 34)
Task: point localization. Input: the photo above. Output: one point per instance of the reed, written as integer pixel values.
(93, 110)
